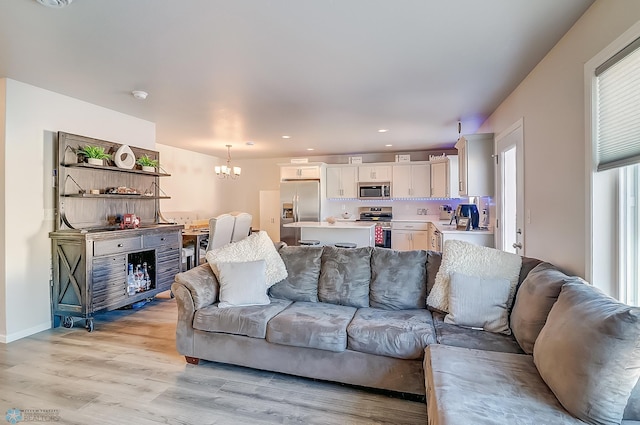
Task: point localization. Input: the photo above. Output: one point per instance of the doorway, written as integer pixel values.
(510, 189)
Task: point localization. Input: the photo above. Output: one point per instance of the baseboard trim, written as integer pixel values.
(6, 339)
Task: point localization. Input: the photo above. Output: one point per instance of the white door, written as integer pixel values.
(510, 190)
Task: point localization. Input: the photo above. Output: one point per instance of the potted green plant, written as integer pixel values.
(95, 154)
(147, 163)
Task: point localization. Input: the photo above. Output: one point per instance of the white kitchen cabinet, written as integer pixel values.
(374, 173)
(434, 238)
(444, 177)
(300, 172)
(475, 157)
(407, 236)
(411, 181)
(270, 213)
(341, 182)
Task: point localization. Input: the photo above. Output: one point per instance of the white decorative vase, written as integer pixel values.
(148, 169)
(124, 157)
(95, 161)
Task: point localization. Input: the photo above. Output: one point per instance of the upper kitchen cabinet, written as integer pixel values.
(374, 173)
(475, 156)
(444, 177)
(308, 171)
(341, 182)
(411, 181)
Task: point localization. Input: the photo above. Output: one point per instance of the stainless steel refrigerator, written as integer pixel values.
(299, 201)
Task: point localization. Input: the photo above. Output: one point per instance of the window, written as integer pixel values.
(629, 235)
(615, 182)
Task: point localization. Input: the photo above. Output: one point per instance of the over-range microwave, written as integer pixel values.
(374, 190)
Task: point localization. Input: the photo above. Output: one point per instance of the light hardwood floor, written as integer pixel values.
(128, 372)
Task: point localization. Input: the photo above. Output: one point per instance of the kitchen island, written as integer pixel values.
(359, 232)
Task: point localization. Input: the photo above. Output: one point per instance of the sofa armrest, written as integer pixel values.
(202, 284)
(184, 326)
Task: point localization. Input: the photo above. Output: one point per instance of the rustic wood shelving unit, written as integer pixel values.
(90, 252)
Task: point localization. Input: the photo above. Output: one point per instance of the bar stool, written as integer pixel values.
(345, 245)
(308, 242)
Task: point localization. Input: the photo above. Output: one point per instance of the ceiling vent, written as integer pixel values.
(55, 3)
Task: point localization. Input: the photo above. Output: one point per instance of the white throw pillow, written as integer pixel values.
(257, 246)
(242, 284)
(473, 260)
(477, 302)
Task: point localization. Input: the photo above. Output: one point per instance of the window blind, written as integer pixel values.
(618, 109)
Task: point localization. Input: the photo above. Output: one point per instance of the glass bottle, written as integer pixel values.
(145, 276)
(131, 280)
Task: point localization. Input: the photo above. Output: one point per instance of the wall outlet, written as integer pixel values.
(419, 212)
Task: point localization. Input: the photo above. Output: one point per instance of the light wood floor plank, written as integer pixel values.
(128, 372)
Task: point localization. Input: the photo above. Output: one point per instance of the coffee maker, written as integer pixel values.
(468, 210)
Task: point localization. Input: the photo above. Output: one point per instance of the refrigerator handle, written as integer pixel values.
(295, 208)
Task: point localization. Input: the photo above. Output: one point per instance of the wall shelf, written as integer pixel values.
(112, 168)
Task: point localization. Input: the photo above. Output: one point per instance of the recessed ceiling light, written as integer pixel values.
(383, 130)
(250, 143)
(55, 3)
(139, 94)
(286, 137)
(310, 149)
(388, 146)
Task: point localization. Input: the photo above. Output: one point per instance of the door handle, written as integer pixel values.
(517, 245)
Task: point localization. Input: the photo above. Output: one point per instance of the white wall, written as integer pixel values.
(193, 185)
(243, 194)
(551, 100)
(3, 262)
(33, 117)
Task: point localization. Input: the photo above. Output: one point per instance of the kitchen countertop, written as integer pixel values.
(336, 225)
(442, 225)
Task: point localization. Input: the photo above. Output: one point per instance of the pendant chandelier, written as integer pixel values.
(227, 171)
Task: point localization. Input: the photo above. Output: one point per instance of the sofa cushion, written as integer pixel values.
(475, 387)
(257, 246)
(242, 284)
(477, 302)
(587, 353)
(534, 299)
(398, 279)
(345, 276)
(393, 333)
(434, 259)
(471, 338)
(473, 260)
(311, 325)
(303, 269)
(632, 410)
(248, 321)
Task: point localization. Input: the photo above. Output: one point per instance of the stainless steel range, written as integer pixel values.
(382, 216)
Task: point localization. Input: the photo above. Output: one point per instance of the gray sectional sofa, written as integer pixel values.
(359, 316)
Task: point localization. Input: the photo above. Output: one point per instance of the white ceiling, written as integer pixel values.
(329, 73)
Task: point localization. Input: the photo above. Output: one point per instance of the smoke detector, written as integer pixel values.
(139, 94)
(57, 4)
